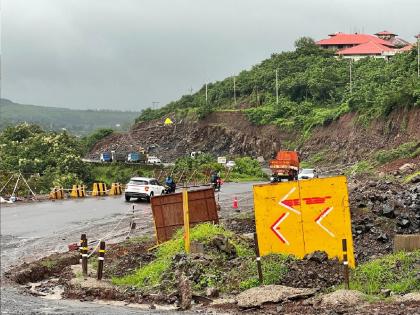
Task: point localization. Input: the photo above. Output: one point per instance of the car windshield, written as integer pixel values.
(138, 182)
(307, 171)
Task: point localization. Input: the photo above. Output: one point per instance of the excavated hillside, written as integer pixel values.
(230, 133)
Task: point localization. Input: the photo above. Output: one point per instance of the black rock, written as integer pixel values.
(388, 211)
(383, 237)
(403, 222)
(318, 256)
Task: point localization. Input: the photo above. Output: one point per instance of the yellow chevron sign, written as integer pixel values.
(300, 217)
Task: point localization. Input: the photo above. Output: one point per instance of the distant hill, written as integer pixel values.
(79, 122)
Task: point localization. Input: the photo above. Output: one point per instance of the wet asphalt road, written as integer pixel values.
(33, 230)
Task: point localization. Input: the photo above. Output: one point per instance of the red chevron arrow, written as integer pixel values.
(276, 229)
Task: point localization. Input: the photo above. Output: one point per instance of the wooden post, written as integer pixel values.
(257, 253)
(84, 250)
(186, 219)
(101, 258)
(346, 265)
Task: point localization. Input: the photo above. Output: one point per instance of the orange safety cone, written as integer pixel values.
(235, 203)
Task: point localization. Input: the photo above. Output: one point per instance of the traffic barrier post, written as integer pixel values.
(258, 258)
(57, 193)
(186, 219)
(116, 189)
(345, 264)
(78, 191)
(101, 258)
(84, 250)
(99, 189)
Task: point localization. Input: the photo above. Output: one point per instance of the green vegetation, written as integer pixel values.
(79, 122)
(408, 178)
(397, 272)
(218, 273)
(151, 273)
(49, 159)
(120, 173)
(361, 168)
(246, 169)
(52, 158)
(90, 140)
(314, 89)
(405, 150)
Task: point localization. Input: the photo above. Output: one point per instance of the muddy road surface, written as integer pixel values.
(34, 230)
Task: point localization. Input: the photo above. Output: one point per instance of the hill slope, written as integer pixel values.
(79, 122)
(343, 141)
(314, 88)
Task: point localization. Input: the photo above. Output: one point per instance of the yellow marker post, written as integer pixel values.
(186, 219)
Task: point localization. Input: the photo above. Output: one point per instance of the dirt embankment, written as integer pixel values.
(230, 133)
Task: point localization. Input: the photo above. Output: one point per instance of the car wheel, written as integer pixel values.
(127, 198)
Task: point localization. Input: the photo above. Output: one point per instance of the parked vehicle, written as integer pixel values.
(230, 164)
(285, 166)
(143, 187)
(136, 157)
(153, 160)
(118, 156)
(106, 157)
(307, 173)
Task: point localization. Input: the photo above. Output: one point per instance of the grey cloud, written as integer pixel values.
(125, 54)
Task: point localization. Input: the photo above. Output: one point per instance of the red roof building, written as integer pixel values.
(381, 45)
(366, 49)
(385, 35)
(343, 40)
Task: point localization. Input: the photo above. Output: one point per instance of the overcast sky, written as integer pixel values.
(127, 54)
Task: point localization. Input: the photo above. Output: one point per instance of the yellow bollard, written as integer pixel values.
(99, 189)
(78, 191)
(113, 190)
(186, 219)
(56, 193)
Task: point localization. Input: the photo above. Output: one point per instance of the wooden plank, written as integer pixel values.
(168, 211)
(409, 242)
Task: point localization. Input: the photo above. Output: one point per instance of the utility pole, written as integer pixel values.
(155, 104)
(277, 86)
(418, 55)
(234, 90)
(191, 90)
(351, 79)
(206, 93)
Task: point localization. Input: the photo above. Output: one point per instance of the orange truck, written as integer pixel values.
(285, 167)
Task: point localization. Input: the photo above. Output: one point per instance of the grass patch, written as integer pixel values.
(361, 168)
(151, 274)
(396, 272)
(274, 268)
(411, 176)
(49, 263)
(405, 150)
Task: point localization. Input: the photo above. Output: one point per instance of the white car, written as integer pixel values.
(143, 187)
(153, 160)
(307, 173)
(230, 164)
